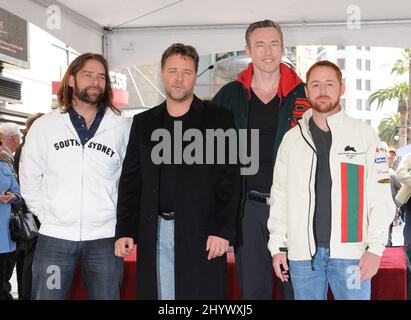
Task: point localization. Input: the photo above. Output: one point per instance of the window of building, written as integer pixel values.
(359, 86)
(367, 65)
(367, 48)
(368, 121)
(340, 47)
(368, 85)
(359, 64)
(358, 47)
(367, 105)
(359, 104)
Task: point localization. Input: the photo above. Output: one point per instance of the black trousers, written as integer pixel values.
(3, 260)
(22, 259)
(27, 274)
(13, 259)
(253, 259)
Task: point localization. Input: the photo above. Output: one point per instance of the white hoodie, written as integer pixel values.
(71, 188)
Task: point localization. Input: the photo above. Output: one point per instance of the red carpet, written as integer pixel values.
(388, 284)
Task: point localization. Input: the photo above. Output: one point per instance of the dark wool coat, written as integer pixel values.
(207, 203)
(235, 96)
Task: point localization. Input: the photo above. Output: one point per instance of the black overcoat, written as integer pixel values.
(207, 204)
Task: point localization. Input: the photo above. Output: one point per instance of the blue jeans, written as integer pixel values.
(55, 263)
(310, 279)
(165, 260)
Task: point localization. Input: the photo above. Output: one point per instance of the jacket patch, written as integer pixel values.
(349, 148)
(380, 160)
(386, 180)
(350, 152)
(301, 105)
(352, 202)
(380, 155)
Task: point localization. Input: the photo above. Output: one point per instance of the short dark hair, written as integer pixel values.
(325, 63)
(263, 24)
(182, 50)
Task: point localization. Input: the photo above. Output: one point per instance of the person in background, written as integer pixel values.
(11, 141)
(403, 175)
(25, 249)
(10, 194)
(393, 162)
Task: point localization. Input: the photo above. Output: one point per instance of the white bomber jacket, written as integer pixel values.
(71, 188)
(362, 208)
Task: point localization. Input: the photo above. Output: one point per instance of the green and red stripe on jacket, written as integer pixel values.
(352, 202)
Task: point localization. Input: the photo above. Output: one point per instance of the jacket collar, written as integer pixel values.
(333, 121)
(289, 80)
(158, 113)
(110, 119)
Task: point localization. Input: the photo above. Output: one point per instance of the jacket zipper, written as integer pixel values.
(309, 215)
(309, 191)
(329, 161)
(82, 190)
(82, 160)
(82, 171)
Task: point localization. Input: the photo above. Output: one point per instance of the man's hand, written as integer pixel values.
(123, 247)
(280, 260)
(368, 265)
(7, 197)
(216, 247)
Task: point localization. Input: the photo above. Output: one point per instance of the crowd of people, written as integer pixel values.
(316, 213)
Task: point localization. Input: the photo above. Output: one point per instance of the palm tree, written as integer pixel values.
(400, 92)
(387, 130)
(397, 92)
(402, 66)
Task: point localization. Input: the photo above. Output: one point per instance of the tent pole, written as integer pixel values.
(135, 87)
(149, 82)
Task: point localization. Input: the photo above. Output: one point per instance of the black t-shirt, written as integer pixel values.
(168, 172)
(323, 183)
(265, 118)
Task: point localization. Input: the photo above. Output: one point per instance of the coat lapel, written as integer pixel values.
(155, 122)
(195, 119)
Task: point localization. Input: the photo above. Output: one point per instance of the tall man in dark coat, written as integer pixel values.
(268, 96)
(182, 215)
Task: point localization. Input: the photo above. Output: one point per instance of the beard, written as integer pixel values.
(90, 98)
(183, 96)
(324, 107)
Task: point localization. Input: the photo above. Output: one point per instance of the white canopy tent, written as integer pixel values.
(136, 32)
